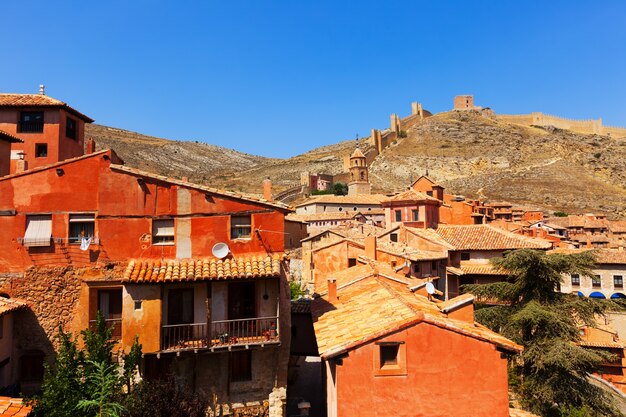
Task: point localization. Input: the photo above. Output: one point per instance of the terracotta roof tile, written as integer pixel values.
(175, 270)
(485, 237)
(475, 268)
(603, 256)
(301, 306)
(362, 313)
(329, 215)
(14, 407)
(372, 199)
(6, 136)
(408, 252)
(430, 235)
(617, 226)
(38, 100)
(11, 304)
(409, 195)
(54, 165)
(217, 191)
(358, 153)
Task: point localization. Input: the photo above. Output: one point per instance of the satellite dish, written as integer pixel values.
(220, 250)
(430, 288)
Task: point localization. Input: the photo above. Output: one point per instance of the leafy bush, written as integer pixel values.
(165, 399)
(560, 214)
(296, 290)
(402, 134)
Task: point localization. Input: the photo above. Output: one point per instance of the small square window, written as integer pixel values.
(465, 256)
(618, 281)
(389, 355)
(41, 150)
(416, 215)
(596, 281)
(163, 232)
(429, 193)
(393, 237)
(240, 227)
(351, 262)
(137, 304)
(31, 122)
(398, 215)
(82, 226)
(575, 279)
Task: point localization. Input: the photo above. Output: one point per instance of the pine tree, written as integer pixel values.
(551, 375)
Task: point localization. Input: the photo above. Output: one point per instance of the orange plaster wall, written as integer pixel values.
(144, 322)
(124, 212)
(330, 260)
(448, 374)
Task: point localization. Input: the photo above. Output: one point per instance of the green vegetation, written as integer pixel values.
(340, 188)
(296, 290)
(402, 134)
(560, 214)
(90, 382)
(550, 376)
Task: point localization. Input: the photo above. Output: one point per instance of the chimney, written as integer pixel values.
(185, 179)
(20, 166)
(91, 146)
(42, 89)
(370, 247)
(267, 189)
(332, 290)
(589, 242)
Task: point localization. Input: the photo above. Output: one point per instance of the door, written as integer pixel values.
(180, 306)
(241, 300)
(110, 305)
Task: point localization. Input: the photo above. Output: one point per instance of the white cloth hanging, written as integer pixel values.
(84, 243)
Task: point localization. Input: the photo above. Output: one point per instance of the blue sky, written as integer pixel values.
(279, 78)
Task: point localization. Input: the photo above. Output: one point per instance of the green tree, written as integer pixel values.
(340, 188)
(105, 381)
(551, 375)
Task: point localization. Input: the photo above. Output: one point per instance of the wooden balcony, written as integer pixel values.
(220, 334)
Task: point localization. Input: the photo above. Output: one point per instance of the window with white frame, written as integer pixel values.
(163, 232)
(82, 226)
(240, 227)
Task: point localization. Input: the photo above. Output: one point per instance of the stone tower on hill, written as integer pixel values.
(359, 181)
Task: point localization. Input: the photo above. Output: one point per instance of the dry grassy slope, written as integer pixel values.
(473, 154)
(470, 153)
(199, 161)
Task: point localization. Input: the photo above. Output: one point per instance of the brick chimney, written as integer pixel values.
(91, 146)
(267, 189)
(332, 290)
(42, 89)
(370, 247)
(20, 166)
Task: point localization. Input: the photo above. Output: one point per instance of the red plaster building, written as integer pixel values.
(98, 235)
(428, 358)
(6, 139)
(50, 129)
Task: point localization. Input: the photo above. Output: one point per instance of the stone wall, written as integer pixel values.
(592, 126)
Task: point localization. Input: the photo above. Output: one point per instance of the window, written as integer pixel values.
(110, 306)
(41, 150)
(31, 366)
(393, 237)
(390, 359)
(31, 122)
(351, 262)
(180, 306)
(429, 193)
(70, 128)
(38, 230)
(618, 281)
(137, 304)
(575, 279)
(163, 232)
(596, 281)
(465, 256)
(81, 226)
(433, 266)
(398, 215)
(240, 227)
(389, 355)
(415, 215)
(241, 366)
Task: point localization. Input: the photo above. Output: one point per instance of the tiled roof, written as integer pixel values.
(431, 236)
(371, 199)
(174, 270)
(211, 190)
(617, 226)
(6, 136)
(38, 100)
(357, 154)
(409, 195)
(473, 268)
(14, 407)
(602, 344)
(603, 256)
(10, 304)
(485, 237)
(301, 306)
(362, 313)
(54, 165)
(405, 251)
(329, 215)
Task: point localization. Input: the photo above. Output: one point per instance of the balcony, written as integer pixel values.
(220, 334)
(35, 126)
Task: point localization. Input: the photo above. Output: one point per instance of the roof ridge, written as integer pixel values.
(55, 164)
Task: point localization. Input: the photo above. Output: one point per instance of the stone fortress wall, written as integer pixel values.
(592, 126)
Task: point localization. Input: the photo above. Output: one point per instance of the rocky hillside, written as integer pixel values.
(470, 152)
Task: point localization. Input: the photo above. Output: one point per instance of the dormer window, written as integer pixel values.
(31, 122)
